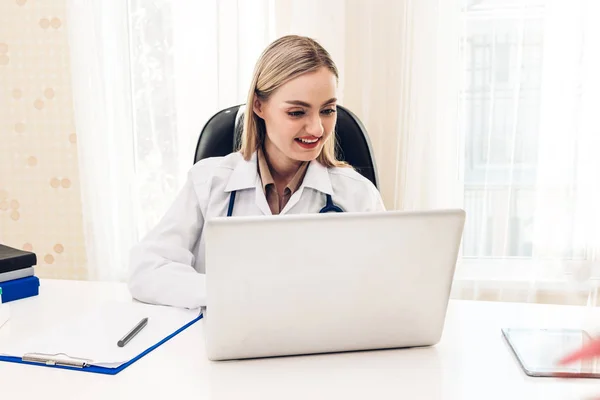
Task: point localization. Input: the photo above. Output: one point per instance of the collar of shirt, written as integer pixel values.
(246, 175)
(267, 179)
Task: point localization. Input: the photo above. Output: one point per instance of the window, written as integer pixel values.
(516, 208)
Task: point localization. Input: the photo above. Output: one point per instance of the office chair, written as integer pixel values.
(221, 135)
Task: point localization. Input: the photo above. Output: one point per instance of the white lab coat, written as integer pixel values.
(167, 266)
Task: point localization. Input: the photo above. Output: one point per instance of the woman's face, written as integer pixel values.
(300, 116)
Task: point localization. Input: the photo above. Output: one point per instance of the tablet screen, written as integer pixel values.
(539, 350)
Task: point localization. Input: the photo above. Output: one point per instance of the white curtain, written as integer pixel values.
(148, 74)
(399, 57)
(103, 103)
(567, 194)
(532, 175)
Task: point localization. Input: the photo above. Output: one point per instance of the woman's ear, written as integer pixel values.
(257, 107)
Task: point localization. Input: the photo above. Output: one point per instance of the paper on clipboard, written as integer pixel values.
(92, 336)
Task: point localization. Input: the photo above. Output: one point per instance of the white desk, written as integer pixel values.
(471, 362)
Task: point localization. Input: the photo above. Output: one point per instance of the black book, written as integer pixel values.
(13, 259)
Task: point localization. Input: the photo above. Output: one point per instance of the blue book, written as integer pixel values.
(21, 288)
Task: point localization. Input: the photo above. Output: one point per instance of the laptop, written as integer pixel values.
(321, 283)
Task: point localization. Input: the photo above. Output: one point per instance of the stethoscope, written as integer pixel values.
(329, 205)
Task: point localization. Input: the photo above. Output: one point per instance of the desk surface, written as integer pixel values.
(471, 362)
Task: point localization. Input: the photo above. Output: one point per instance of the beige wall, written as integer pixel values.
(40, 206)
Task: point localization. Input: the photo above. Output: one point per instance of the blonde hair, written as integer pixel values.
(283, 60)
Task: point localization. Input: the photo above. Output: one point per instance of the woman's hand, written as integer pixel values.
(590, 350)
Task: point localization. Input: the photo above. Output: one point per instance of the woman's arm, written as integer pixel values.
(161, 265)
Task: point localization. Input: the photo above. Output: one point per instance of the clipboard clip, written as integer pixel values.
(59, 359)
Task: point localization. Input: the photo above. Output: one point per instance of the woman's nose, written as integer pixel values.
(315, 127)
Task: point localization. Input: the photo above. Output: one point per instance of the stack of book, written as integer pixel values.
(4, 311)
(17, 275)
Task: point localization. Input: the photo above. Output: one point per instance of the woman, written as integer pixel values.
(286, 165)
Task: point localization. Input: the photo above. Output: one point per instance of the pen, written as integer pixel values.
(136, 329)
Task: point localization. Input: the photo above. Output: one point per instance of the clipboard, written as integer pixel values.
(77, 360)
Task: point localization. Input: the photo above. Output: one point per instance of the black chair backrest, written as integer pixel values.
(222, 134)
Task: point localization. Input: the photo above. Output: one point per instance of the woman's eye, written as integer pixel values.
(329, 111)
(295, 113)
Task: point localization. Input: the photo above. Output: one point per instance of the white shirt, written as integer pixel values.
(167, 266)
